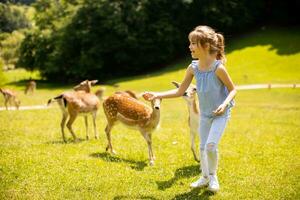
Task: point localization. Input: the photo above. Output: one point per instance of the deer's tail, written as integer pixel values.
(58, 98)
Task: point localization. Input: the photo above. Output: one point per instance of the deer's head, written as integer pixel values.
(190, 93)
(155, 102)
(85, 85)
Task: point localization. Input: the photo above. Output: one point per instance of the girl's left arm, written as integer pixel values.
(223, 75)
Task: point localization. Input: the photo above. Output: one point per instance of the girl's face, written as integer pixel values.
(196, 50)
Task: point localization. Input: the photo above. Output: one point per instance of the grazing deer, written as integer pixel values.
(80, 101)
(133, 113)
(10, 97)
(99, 93)
(30, 87)
(194, 119)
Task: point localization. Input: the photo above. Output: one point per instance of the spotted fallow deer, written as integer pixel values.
(30, 87)
(128, 93)
(194, 119)
(133, 113)
(10, 97)
(80, 101)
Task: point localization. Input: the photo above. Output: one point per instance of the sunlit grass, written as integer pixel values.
(259, 154)
(19, 75)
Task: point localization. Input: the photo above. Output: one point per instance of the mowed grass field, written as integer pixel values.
(259, 152)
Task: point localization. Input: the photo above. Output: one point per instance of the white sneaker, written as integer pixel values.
(213, 185)
(201, 182)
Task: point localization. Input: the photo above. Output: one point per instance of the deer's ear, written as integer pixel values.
(147, 96)
(176, 84)
(82, 83)
(93, 82)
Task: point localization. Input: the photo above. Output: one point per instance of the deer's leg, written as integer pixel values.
(69, 125)
(94, 115)
(148, 139)
(62, 125)
(193, 146)
(16, 103)
(108, 135)
(5, 103)
(86, 127)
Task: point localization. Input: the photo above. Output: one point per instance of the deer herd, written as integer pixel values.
(121, 107)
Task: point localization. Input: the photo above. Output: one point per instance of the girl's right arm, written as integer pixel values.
(176, 92)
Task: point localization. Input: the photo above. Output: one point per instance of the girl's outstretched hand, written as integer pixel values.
(220, 110)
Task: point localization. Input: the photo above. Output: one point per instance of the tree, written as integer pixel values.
(80, 39)
(12, 18)
(10, 49)
(27, 2)
(2, 77)
(131, 36)
(35, 50)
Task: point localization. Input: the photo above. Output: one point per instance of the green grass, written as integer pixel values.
(259, 153)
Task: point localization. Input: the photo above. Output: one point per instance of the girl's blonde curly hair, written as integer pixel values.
(205, 35)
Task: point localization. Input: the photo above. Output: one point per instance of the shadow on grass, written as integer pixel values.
(192, 194)
(41, 84)
(44, 84)
(137, 165)
(197, 193)
(284, 40)
(184, 172)
(133, 197)
(69, 141)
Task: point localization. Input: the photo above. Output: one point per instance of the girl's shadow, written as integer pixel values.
(137, 165)
(184, 172)
(194, 194)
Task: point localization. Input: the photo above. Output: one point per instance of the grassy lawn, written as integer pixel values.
(259, 153)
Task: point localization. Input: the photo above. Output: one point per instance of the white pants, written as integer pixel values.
(211, 130)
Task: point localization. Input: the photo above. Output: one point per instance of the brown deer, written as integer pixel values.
(133, 113)
(80, 101)
(10, 97)
(30, 87)
(194, 118)
(128, 93)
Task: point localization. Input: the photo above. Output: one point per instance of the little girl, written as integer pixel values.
(215, 91)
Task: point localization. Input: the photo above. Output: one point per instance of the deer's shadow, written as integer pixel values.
(134, 197)
(137, 165)
(69, 141)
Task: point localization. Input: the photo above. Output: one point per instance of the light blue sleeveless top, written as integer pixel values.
(210, 89)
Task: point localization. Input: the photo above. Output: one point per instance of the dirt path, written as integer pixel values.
(35, 107)
(239, 87)
(266, 86)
